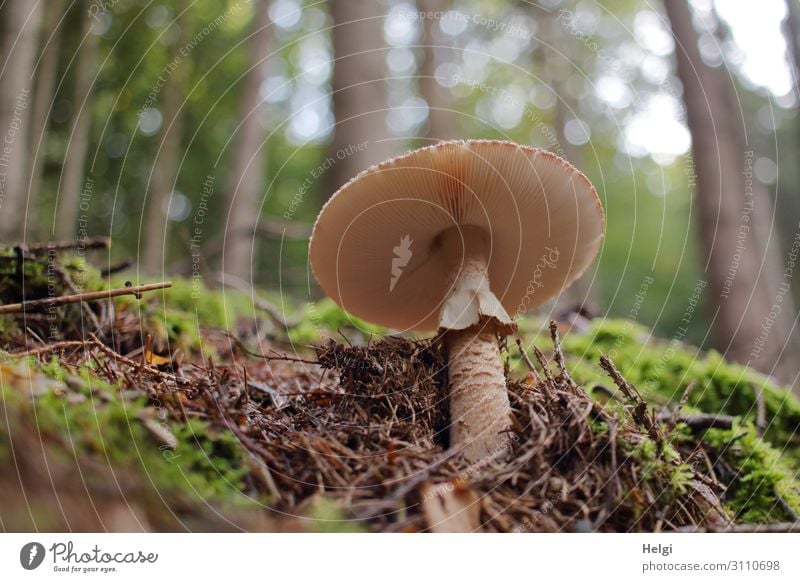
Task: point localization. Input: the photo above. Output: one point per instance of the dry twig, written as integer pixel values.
(46, 303)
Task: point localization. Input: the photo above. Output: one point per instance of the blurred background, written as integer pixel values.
(203, 136)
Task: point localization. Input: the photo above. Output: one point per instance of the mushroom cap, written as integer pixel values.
(375, 248)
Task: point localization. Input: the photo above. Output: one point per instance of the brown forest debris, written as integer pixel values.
(366, 427)
(451, 507)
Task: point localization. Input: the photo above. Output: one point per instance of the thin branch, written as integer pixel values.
(640, 412)
(543, 362)
(84, 305)
(136, 365)
(698, 421)
(54, 347)
(676, 414)
(80, 298)
(528, 362)
(275, 356)
(559, 355)
(66, 245)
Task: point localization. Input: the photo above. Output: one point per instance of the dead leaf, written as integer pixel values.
(155, 359)
(451, 507)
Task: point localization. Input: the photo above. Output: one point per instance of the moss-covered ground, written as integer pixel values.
(71, 435)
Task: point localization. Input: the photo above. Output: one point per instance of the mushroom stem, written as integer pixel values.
(479, 405)
(470, 297)
(472, 316)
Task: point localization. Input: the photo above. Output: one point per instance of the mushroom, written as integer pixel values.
(459, 237)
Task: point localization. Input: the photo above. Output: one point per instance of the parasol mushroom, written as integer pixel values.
(459, 237)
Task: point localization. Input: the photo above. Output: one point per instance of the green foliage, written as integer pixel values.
(215, 460)
(662, 370)
(83, 275)
(34, 274)
(766, 489)
(647, 195)
(8, 327)
(178, 315)
(85, 420)
(326, 319)
(47, 275)
(326, 516)
(662, 464)
(761, 473)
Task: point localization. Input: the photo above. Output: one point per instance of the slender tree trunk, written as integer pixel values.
(441, 121)
(46, 73)
(728, 203)
(774, 261)
(20, 32)
(165, 172)
(246, 180)
(555, 69)
(360, 101)
(72, 175)
(792, 33)
(789, 206)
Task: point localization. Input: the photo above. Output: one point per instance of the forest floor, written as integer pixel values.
(188, 409)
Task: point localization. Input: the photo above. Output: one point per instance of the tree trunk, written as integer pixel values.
(360, 103)
(729, 204)
(246, 180)
(792, 34)
(20, 32)
(165, 171)
(46, 73)
(789, 206)
(72, 175)
(441, 122)
(555, 69)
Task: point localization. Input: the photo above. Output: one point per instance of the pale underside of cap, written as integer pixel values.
(375, 251)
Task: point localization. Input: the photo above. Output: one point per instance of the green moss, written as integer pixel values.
(85, 276)
(178, 315)
(41, 277)
(662, 464)
(662, 370)
(46, 276)
(326, 516)
(325, 319)
(760, 473)
(213, 461)
(86, 421)
(762, 487)
(8, 327)
(34, 274)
